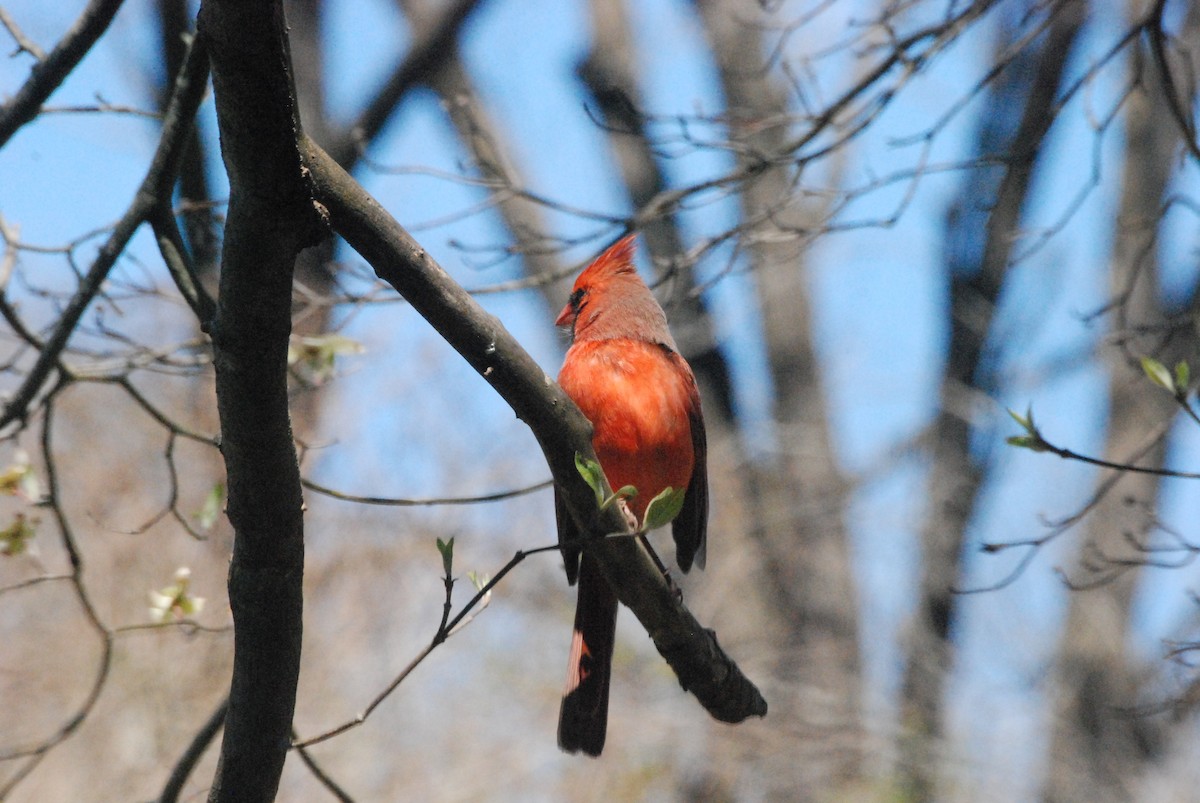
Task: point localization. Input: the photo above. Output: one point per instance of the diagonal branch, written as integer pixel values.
(50, 72)
(157, 185)
(416, 68)
(194, 752)
(561, 431)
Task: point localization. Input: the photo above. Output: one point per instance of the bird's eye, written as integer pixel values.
(576, 300)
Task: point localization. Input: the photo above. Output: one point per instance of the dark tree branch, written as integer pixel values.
(179, 263)
(49, 72)
(322, 776)
(1157, 36)
(416, 68)
(175, 19)
(389, 501)
(194, 752)
(561, 431)
(271, 218)
(155, 187)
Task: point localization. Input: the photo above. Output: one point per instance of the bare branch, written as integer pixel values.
(413, 70)
(24, 43)
(192, 755)
(431, 502)
(1157, 36)
(445, 629)
(51, 71)
(1060, 526)
(156, 186)
(322, 776)
(36, 752)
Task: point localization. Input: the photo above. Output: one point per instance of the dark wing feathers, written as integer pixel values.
(690, 527)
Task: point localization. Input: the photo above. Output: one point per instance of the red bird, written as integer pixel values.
(625, 373)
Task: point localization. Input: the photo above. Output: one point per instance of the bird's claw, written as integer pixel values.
(675, 590)
(630, 519)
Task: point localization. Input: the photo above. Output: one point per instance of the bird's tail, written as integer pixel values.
(583, 717)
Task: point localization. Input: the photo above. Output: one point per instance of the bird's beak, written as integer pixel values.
(565, 317)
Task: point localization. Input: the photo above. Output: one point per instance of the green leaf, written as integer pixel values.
(1031, 442)
(1182, 376)
(447, 549)
(15, 538)
(1023, 420)
(663, 508)
(214, 502)
(1158, 374)
(592, 474)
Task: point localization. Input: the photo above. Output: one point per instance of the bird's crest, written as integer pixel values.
(616, 259)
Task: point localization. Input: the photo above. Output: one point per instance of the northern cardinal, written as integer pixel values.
(626, 375)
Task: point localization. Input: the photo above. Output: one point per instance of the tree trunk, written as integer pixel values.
(271, 218)
(794, 542)
(1097, 751)
(982, 227)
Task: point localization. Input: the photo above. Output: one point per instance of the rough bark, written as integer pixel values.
(271, 218)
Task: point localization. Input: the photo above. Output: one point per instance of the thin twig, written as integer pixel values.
(434, 501)
(446, 628)
(1068, 454)
(37, 752)
(1059, 527)
(33, 581)
(54, 68)
(156, 186)
(320, 774)
(24, 43)
(102, 107)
